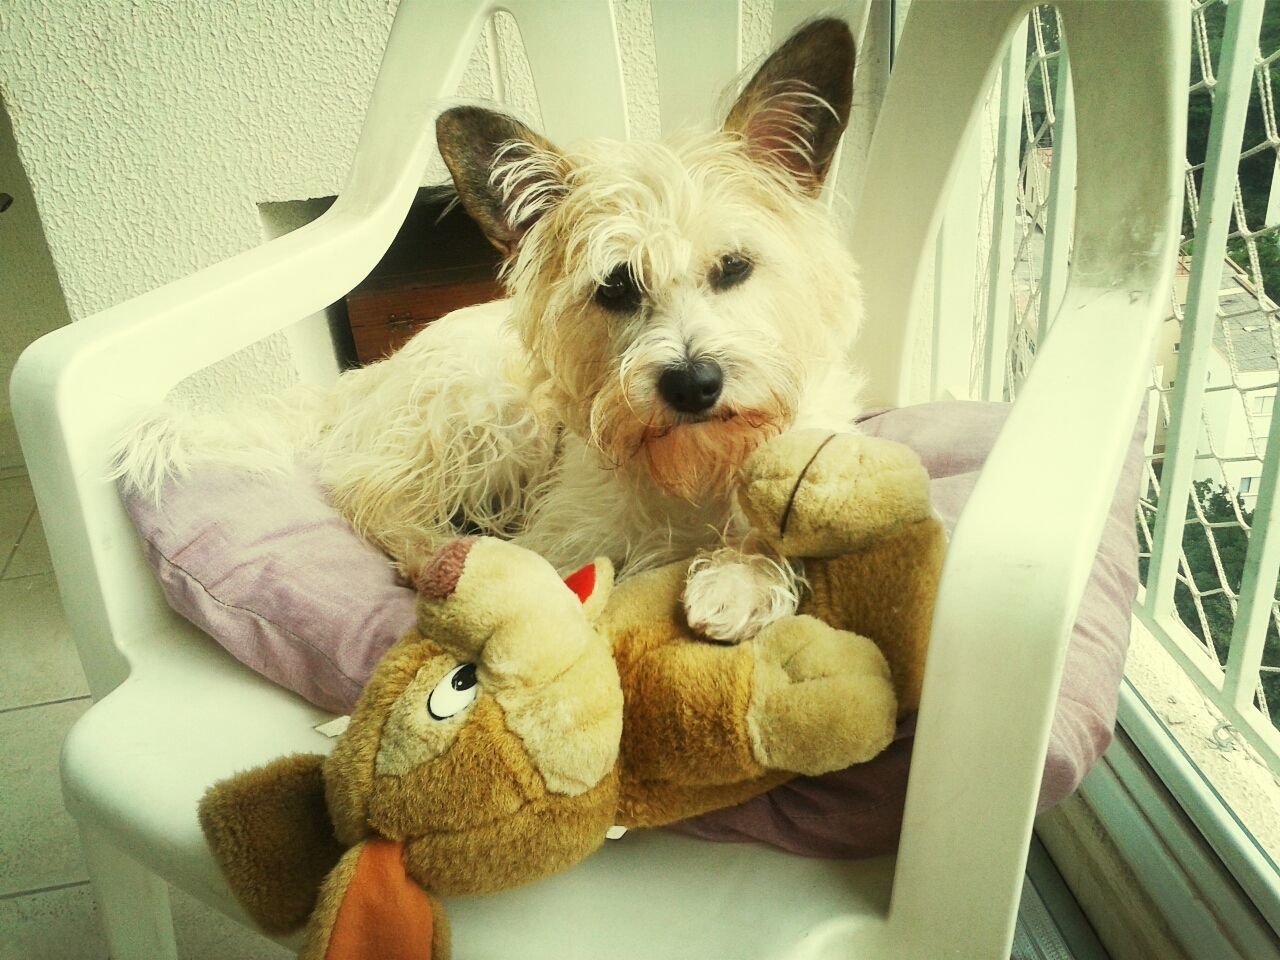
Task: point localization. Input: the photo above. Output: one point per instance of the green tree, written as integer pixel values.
(1255, 171)
(1268, 247)
(1232, 543)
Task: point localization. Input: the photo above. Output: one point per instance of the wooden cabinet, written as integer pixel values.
(439, 261)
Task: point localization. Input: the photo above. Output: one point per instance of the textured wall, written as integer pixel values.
(152, 129)
(31, 303)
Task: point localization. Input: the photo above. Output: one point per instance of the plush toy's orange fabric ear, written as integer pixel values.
(372, 908)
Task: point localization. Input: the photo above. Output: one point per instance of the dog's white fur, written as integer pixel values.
(539, 417)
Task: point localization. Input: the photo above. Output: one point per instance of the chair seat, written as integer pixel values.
(655, 894)
(137, 763)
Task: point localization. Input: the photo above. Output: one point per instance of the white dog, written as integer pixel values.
(672, 305)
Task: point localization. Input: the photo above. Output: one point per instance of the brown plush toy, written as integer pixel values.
(498, 741)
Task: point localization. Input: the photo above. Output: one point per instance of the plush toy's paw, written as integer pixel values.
(814, 493)
(729, 596)
(269, 831)
(821, 698)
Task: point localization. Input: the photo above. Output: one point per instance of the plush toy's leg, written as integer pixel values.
(370, 908)
(885, 591)
(822, 698)
(270, 833)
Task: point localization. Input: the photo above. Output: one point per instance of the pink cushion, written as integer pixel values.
(268, 568)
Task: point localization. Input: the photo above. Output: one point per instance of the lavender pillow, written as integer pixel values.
(268, 569)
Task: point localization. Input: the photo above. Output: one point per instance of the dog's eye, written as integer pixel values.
(730, 270)
(620, 292)
(454, 693)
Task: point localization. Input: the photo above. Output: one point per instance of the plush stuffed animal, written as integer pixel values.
(499, 741)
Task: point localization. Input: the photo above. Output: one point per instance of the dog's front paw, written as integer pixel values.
(729, 596)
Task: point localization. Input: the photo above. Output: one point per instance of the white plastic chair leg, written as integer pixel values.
(132, 901)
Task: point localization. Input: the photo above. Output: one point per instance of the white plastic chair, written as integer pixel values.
(174, 713)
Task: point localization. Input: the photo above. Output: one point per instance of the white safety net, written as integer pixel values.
(1239, 393)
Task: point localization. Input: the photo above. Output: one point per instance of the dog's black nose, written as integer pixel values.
(692, 387)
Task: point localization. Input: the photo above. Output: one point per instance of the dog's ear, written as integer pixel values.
(507, 175)
(792, 112)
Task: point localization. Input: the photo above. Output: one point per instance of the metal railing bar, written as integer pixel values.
(1272, 218)
(1062, 191)
(1257, 588)
(1226, 131)
(1187, 649)
(1251, 723)
(1004, 213)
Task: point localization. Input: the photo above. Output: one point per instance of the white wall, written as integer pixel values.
(31, 303)
(151, 130)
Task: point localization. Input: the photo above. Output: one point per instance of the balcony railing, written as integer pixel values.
(1214, 554)
(1210, 553)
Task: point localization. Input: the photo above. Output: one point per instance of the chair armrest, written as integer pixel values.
(77, 389)
(1015, 572)
(1024, 546)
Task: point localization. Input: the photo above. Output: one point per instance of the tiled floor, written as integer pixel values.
(46, 908)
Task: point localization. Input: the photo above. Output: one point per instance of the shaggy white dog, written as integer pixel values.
(672, 305)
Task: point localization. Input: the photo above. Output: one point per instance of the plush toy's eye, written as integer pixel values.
(454, 693)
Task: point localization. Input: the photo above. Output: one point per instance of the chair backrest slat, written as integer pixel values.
(698, 51)
(572, 47)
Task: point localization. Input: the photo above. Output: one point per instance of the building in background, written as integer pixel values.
(1240, 386)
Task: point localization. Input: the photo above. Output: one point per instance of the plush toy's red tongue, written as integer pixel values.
(582, 582)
